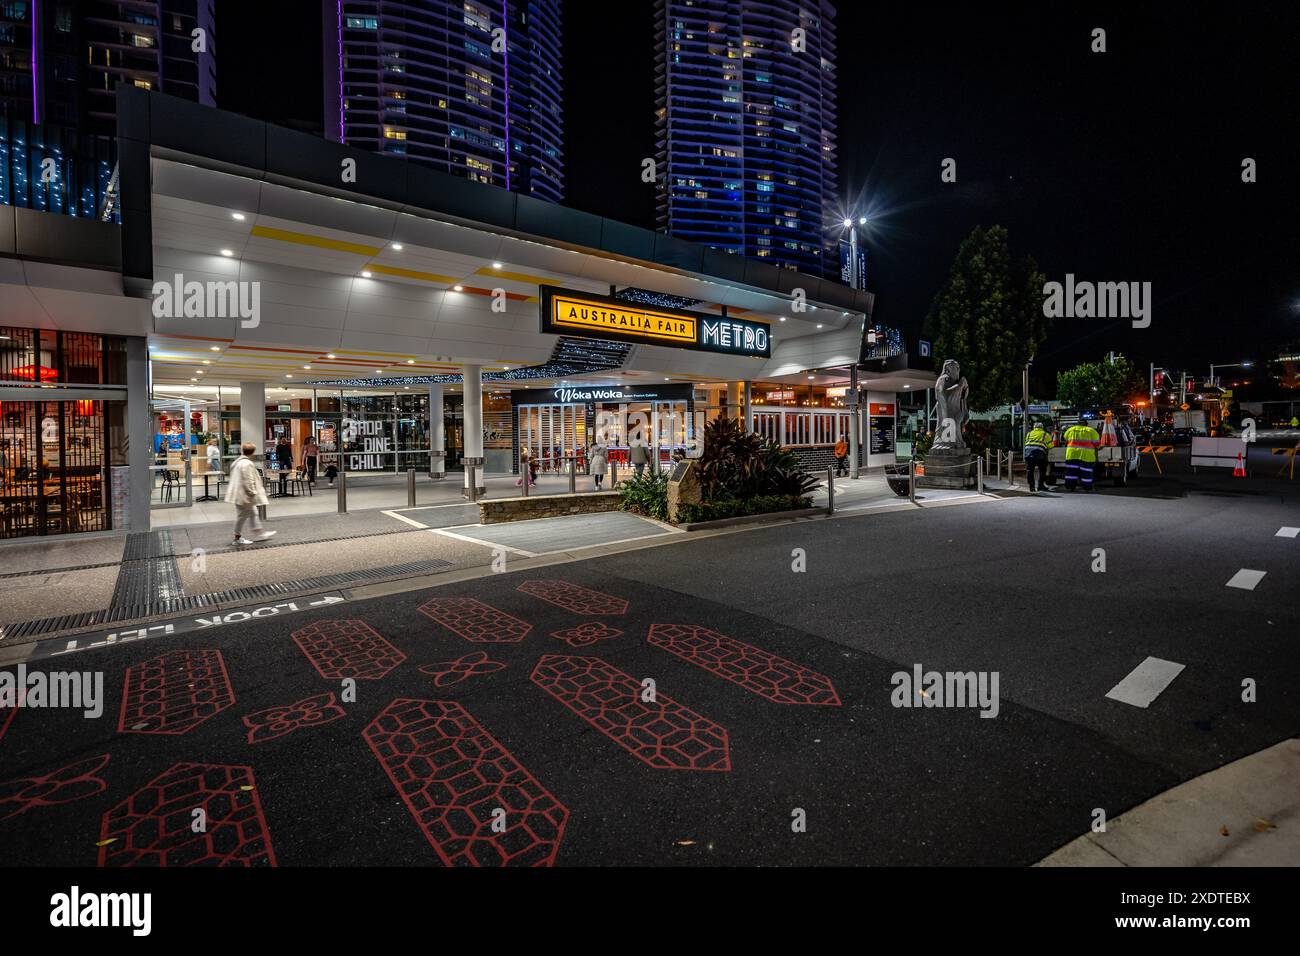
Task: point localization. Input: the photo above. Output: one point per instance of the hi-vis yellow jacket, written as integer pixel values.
(1038, 441)
(1081, 443)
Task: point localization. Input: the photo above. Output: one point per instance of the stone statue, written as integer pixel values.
(951, 412)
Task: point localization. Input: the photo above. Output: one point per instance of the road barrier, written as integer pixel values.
(1289, 453)
(1155, 451)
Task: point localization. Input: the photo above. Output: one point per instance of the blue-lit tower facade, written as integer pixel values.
(470, 87)
(745, 128)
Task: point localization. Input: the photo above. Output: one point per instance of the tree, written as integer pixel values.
(989, 317)
(1099, 383)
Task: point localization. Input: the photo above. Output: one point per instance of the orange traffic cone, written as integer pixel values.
(1240, 470)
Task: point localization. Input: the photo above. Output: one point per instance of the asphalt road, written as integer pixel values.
(738, 742)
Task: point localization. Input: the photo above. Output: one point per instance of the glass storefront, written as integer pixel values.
(57, 454)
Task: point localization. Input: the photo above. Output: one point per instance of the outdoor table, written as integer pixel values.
(206, 496)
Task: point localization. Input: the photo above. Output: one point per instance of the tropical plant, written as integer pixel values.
(740, 464)
(645, 494)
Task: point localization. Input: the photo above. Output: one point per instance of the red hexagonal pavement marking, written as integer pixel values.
(663, 734)
(586, 633)
(574, 597)
(475, 621)
(341, 648)
(73, 782)
(154, 826)
(452, 775)
(264, 725)
(7, 714)
(756, 670)
(174, 692)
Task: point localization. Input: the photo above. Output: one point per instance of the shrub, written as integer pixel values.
(645, 494)
(738, 465)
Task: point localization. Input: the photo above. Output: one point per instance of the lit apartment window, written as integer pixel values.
(144, 84)
(141, 41)
(390, 133)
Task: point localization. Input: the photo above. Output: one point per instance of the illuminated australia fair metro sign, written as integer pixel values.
(566, 312)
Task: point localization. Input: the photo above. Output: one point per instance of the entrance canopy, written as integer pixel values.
(369, 267)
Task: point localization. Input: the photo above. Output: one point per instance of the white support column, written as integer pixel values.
(139, 434)
(473, 392)
(252, 417)
(437, 431)
(749, 407)
(852, 427)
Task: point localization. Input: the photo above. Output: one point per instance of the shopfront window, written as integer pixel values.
(368, 432)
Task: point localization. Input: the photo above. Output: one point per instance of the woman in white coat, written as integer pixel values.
(599, 463)
(246, 494)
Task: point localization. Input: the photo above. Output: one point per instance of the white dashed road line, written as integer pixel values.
(1246, 579)
(1287, 532)
(1145, 682)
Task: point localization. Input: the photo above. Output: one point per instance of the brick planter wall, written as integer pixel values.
(496, 510)
(817, 458)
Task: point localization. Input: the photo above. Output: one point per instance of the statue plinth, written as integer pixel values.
(948, 468)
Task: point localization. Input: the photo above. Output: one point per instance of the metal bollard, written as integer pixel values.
(979, 474)
(830, 490)
(410, 487)
(613, 475)
(1011, 469)
(342, 486)
(573, 476)
(911, 481)
(524, 475)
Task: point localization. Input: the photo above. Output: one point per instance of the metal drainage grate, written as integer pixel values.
(260, 592)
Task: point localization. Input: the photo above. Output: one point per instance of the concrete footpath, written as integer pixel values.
(1245, 813)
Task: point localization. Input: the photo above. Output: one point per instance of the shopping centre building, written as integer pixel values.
(264, 284)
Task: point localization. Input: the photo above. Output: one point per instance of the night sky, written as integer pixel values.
(1119, 166)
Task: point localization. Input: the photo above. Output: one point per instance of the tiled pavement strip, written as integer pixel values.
(175, 569)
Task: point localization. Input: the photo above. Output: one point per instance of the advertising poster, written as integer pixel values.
(880, 422)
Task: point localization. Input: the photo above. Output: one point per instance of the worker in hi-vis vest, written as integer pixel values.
(1081, 443)
(1036, 444)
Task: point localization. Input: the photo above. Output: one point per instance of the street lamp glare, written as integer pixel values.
(862, 220)
(848, 223)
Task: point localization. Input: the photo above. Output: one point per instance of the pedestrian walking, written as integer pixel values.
(527, 468)
(214, 456)
(310, 456)
(1037, 442)
(1081, 443)
(599, 463)
(841, 457)
(639, 456)
(247, 494)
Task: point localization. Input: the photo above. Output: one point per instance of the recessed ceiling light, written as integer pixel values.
(379, 371)
(410, 361)
(307, 367)
(458, 288)
(365, 275)
(199, 372)
(214, 348)
(819, 325)
(330, 355)
(907, 386)
(227, 252)
(288, 376)
(237, 216)
(496, 265)
(194, 380)
(811, 377)
(783, 318)
(207, 361)
(397, 246)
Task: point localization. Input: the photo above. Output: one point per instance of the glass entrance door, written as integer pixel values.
(171, 472)
(552, 433)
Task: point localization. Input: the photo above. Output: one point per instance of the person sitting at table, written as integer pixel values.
(283, 462)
